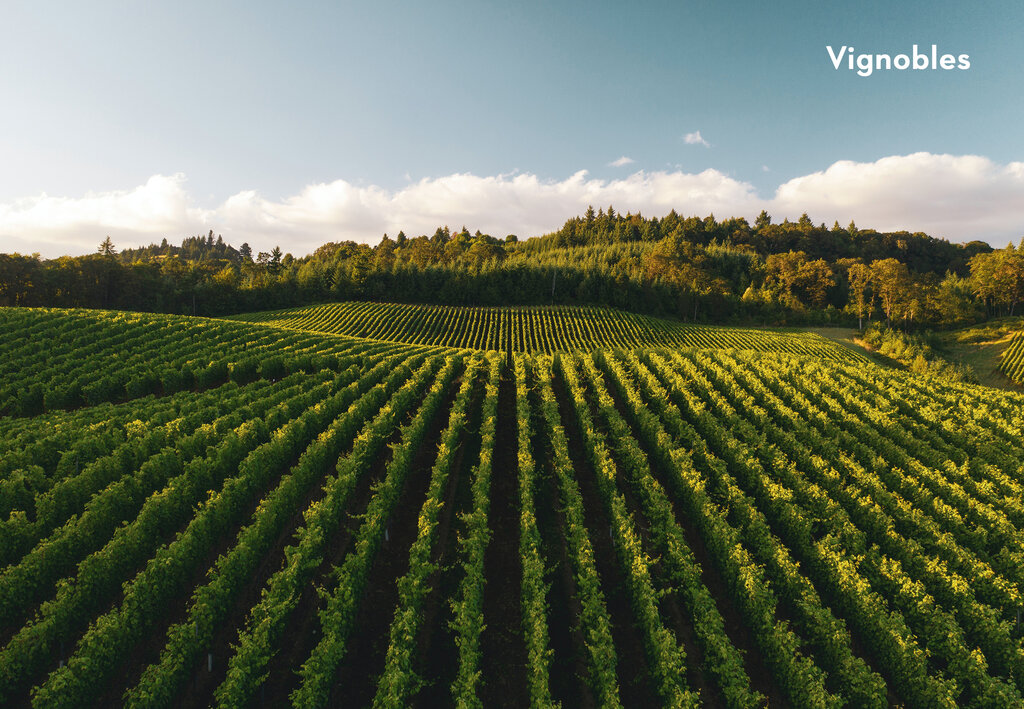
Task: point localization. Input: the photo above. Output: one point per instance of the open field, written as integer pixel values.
(991, 349)
(205, 512)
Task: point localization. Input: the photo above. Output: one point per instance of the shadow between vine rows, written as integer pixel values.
(632, 671)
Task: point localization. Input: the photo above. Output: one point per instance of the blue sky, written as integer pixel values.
(317, 120)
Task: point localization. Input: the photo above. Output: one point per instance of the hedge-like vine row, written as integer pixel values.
(533, 329)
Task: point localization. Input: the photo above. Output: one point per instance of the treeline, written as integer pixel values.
(193, 248)
(692, 268)
(919, 251)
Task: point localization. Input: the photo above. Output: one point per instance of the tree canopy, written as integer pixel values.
(690, 267)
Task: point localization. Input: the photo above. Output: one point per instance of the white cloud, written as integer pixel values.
(695, 138)
(159, 206)
(960, 197)
(522, 204)
(956, 197)
(621, 162)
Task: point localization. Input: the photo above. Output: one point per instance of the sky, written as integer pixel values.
(294, 124)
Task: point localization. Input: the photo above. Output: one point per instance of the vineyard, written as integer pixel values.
(326, 507)
(1012, 362)
(533, 329)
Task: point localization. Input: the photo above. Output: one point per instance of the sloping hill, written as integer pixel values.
(53, 358)
(994, 350)
(1011, 362)
(535, 329)
(310, 519)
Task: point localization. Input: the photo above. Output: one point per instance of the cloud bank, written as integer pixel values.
(956, 197)
(959, 197)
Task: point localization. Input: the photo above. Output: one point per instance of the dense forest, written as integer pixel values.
(686, 267)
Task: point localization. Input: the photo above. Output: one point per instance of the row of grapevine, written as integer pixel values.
(338, 616)
(831, 565)
(259, 639)
(819, 628)
(594, 620)
(722, 658)
(534, 590)
(937, 526)
(1012, 362)
(467, 609)
(161, 681)
(695, 477)
(150, 354)
(100, 573)
(931, 525)
(22, 584)
(666, 657)
(789, 500)
(994, 532)
(906, 535)
(936, 627)
(52, 507)
(532, 329)
(399, 683)
(55, 446)
(723, 526)
(105, 646)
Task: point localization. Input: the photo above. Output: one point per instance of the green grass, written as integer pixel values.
(982, 347)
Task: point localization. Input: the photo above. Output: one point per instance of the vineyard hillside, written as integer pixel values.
(1012, 361)
(55, 358)
(535, 329)
(202, 512)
